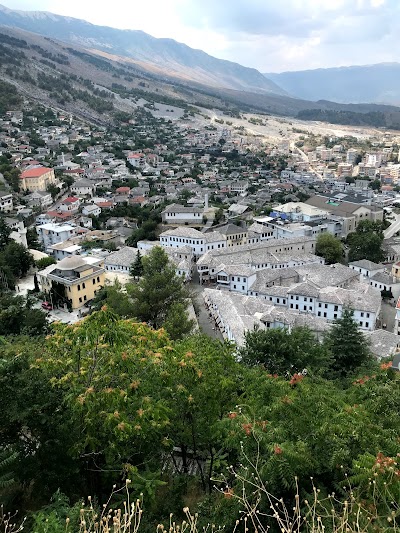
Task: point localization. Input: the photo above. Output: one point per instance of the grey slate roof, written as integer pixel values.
(123, 257)
(368, 265)
(383, 343)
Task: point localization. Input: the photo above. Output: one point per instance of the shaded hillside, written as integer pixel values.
(370, 83)
(169, 56)
(97, 87)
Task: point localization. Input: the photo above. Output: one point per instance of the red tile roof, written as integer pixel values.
(70, 200)
(34, 172)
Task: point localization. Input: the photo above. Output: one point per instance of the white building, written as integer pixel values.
(6, 202)
(198, 241)
(53, 233)
(179, 214)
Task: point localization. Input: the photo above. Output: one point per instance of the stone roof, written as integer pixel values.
(304, 289)
(383, 343)
(383, 277)
(123, 257)
(362, 297)
(368, 265)
(178, 208)
(183, 231)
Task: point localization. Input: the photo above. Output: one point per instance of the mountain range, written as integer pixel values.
(368, 83)
(162, 56)
(65, 62)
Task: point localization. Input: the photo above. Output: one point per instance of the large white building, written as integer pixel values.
(199, 242)
(179, 214)
(53, 233)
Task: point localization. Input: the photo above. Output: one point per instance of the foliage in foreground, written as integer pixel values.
(108, 399)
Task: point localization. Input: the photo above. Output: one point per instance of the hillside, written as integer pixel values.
(166, 56)
(370, 83)
(96, 87)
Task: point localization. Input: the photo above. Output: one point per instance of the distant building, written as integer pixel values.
(74, 279)
(37, 179)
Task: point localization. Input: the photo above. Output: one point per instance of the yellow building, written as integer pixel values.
(37, 179)
(74, 278)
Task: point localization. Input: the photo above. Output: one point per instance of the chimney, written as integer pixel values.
(206, 201)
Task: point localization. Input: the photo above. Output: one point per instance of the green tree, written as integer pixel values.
(115, 299)
(32, 239)
(347, 345)
(366, 242)
(16, 258)
(177, 322)
(36, 423)
(283, 351)
(136, 269)
(5, 232)
(330, 248)
(53, 190)
(45, 262)
(158, 289)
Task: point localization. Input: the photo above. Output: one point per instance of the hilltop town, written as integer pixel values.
(236, 212)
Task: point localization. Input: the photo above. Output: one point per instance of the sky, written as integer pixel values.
(270, 35)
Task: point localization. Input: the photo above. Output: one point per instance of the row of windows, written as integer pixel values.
(305, 299)
(84, 284)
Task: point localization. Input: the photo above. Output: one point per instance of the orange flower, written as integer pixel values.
(121, 426)
(140, 412)
(135, 384)
(228, 493)
(277, 450)
(232, 415)
(296, 378)
(385, 366)
(247, 428)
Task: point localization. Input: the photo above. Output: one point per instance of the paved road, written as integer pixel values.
(388, 314)
(206, 325)
(393, 228)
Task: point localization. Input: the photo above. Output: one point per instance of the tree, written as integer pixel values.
(136, 269)
(45, 262)
(284, 352)
(347, 345)
(330, 248)
(32, 239)
(5, 232)
(115, 299)
(16, 258)
(177, 322)
(366, 242)
(53, 190)
(158, 289)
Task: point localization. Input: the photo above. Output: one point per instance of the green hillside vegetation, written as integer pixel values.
(189, 423)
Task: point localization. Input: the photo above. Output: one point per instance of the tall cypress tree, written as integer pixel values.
(347, 344)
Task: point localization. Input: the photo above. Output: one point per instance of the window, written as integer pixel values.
(360, 323)
(85, 298)
(335, 308)
(80, 300)
(325, 315)
(335, 315)
(94, 281)
(367, 315)
(367, 324)
(326, 306)
(291, 306)
(304, 308)
(362, 314)
(83, 286)
(319, 313)
(234, 286)
(98, 279)
(79, 287)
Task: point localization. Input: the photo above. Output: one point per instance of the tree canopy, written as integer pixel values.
(330, 248)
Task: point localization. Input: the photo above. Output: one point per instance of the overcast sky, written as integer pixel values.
(270, 35)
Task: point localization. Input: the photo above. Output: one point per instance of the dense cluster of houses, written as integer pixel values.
(244, 229)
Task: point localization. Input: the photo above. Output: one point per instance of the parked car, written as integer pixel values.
(47, 306)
